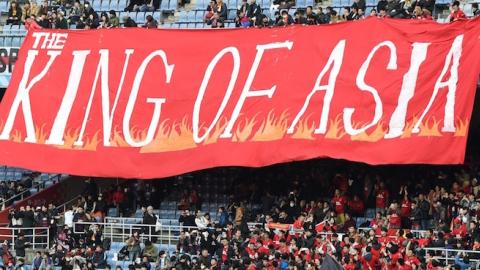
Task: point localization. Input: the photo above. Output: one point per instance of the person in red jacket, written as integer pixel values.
(394, 218)
(411, 260)
(456, 13)
(381, 198)
(339, 202)
(31, 23)
(356, 206)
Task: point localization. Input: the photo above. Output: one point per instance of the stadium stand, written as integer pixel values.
(227, 218)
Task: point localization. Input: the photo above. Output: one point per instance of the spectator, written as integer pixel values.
(99, 259)
(14, 14)
(475, 10)
(134, 5)
(456, 13)
(150, 219)
(103, 24)
(150, 22)
(221, 11)
(44, 22)
(127, 22)
(20, 244)
(26, 11)
(299, 18)
(133, 246)
(37, 261)
(150, 5)
(223, 217)
(150, 251)
(76, 12)
(113, 23)
(61, 22)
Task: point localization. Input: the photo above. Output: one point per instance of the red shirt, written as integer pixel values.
(381, 199)
(395, 221)
(339, 203)
(356, 206)
(405, 208)
(412, 260)
(456, 15)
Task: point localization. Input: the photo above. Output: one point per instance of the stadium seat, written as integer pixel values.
(7, 29)
(232, 4)
(173, 5)
(3, 6)
(370, 2)
(232, 14)
(164, 4)
(199, 25)
(122, 4)
(105, 5)
(16, 43)
(8, 42)
(156, 16)
(190, 16)
(301, 3)
(336, 3)
(182, 16)
(199, 14)
(96, 5)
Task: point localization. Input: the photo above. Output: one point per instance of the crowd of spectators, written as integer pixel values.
(305, 215)
(62, 14)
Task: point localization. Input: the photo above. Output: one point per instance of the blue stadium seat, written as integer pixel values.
(3, 6)
(301, 3)
(191, 25)
(199, 25)
(183, 17)
(8, 42)
(173, 5)
(232, 4)
(105, 5)
(264, 3)
(96, 5)
(156, 16)
(336, 3)
(232, 14)
(7, 29)
(370, 2)
(201, 4)
(164, 4)
(199, 14)
(309, 3)
(122, 4)
(190, 16)
(16, 43)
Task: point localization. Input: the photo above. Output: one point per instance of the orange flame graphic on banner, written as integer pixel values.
(304, 130)
(243, 133)
(335, 130)
(271, 129)
(176, 136)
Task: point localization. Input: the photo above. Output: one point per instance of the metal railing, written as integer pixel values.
(163, 234)
(165, 222)
(449, 254)
(37, 237)
(416, 233)
(39, 186)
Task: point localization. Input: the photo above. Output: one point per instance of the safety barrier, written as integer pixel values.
(38, 237)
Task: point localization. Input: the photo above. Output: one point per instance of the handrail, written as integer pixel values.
(37, 186)
(64, 205)
(30, 233)
(453, 252)
(167, 234)
(251, 225)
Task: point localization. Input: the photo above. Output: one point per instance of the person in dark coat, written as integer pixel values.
(14, 14)
(149, 218)
(20, 245)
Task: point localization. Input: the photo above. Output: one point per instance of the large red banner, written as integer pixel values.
(140, 103)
